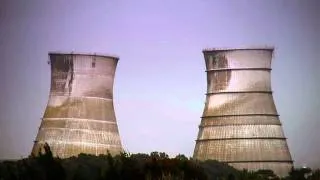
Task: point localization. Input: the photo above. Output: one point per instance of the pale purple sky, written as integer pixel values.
(160, 82)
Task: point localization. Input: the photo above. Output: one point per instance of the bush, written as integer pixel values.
(156, 166)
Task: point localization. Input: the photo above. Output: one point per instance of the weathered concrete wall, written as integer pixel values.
(240, 124)
(80, 117)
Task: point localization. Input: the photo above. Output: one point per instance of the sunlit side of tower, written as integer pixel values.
(240, 124)
(80, 117)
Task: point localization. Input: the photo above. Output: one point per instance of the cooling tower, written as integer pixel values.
(80, 117)
(240, 124)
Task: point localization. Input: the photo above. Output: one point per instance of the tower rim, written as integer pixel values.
(219, 49)
(105, 55)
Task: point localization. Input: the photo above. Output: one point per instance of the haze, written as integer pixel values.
(160, 82)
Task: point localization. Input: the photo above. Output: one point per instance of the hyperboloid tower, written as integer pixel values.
(240, 124)
(80, 117)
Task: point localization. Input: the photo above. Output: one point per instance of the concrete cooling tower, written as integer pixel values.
(240, 124)
(80, 117)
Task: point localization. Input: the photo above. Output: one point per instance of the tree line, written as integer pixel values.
(153, 166)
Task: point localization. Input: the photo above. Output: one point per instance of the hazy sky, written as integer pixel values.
(160, 82)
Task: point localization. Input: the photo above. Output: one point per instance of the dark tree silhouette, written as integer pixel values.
(156, 166)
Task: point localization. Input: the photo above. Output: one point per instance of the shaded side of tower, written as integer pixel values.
(80, 117)
(240, 124)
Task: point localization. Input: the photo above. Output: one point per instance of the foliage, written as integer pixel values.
(43, 167)
(156, 166)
